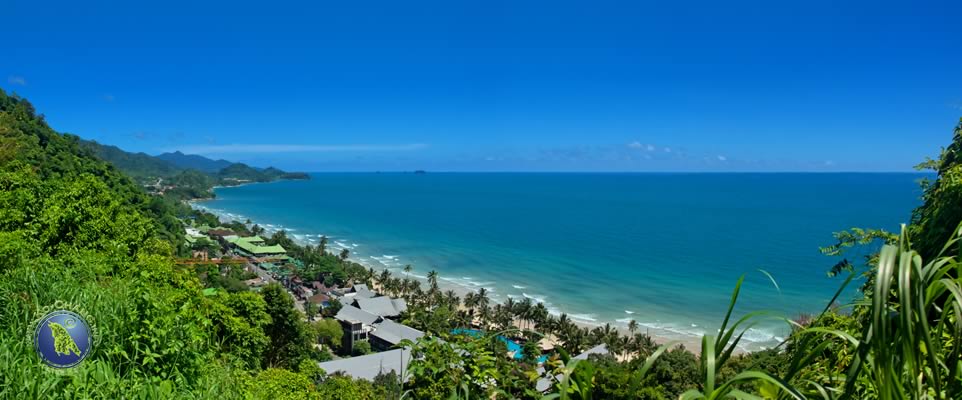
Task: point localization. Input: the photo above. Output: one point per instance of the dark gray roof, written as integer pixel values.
(599, 349)
(369, 366)
(393, 332)
(361, 291)
(400, 305)
(382, 306)
(354, 314)
(544, 383)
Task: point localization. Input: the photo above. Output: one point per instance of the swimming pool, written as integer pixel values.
(512, 346)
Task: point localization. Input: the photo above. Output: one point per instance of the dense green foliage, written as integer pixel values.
(243, 173)
(75, 230)
(76, 233)
(932, 222)
(195, 162)
(136, 165)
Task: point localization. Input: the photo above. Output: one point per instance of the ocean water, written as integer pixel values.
(663, 249)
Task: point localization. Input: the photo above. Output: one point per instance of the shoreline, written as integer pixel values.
(691, 341)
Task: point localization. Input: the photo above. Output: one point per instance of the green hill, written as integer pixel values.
(191, 175)
(135, 165)
(76, 233)
(239, 172)
(193, 161)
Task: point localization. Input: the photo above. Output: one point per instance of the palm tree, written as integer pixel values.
(540, 315)
(385, 275)
(483, 298)
(549, 325)
(643, 345)
(563, 323)
(632, 326)
(624, 343)
(577, 339)
(608, 333)
(470, 301)
(407, 269)
(511, 305)
(433, 279)
(451, 299)
(524, 310)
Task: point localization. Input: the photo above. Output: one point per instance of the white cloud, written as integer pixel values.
(17, 80)
(722, 158)
(667, 149)
(638, 145)
(829, 163)
(294, 148)
(108, 97)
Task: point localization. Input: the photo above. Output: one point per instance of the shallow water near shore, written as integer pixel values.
(663, 249)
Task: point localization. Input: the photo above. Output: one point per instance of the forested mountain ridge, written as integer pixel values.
(178, 169)
(193, 161)
(135, 165)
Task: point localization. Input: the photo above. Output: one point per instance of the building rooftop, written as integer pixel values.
(544, 383)
(382, 306)
(253, 245)
(369, 366)
(393, 332)
(400, 305)
(319, 298)
(599, 349)
(354, 314)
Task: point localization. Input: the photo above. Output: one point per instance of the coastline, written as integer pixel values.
(691, 342)
(596, 273)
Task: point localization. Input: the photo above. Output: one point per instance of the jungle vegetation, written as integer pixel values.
(77, 232)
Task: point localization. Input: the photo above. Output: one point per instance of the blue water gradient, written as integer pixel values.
(663, 249)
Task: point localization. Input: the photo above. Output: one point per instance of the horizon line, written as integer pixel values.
(611, 172)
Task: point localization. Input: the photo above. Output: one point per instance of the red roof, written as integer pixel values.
(318, 298)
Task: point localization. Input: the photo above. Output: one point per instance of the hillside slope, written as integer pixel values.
(193, 161)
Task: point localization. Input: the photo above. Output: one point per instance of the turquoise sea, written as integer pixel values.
(663, 249)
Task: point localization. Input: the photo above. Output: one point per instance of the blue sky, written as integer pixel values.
(499, 85)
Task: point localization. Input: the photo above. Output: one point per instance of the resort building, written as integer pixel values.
(358, 291)
(321, 300)
(321, 288)
(303, 292)
(381, 306)
(357, 324)
(388, 334)
(192, 235)
(369, 366)
(220, 232)
(254, 246)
